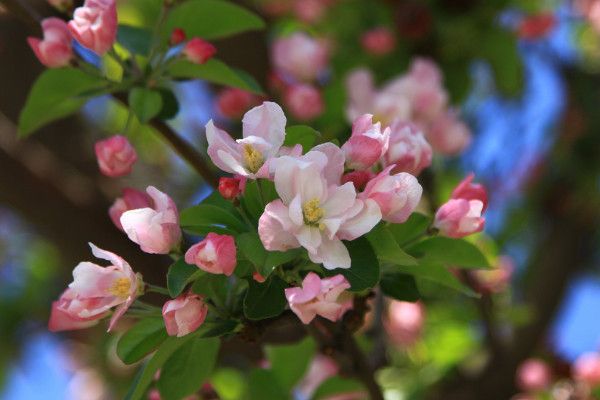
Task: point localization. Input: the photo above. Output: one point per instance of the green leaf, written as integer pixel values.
(208, 215)
(301, 134)
(211, 19)
(140, 340)
(212, 286)
(145, 376)
(337, 385)
(386, 247)
(450, 252)
(229, 384)
(265, 300)
(217, 328)
(179, 275)
(145, 103)
(136, 40)
(214, 71)
(415, 226)
(289, 372)
(399, 286)
(364, 270)
(188, 368)
(264, 385)
(252, 201)
(56, 94)
(265, 261)
(500, 49)
(436, 273)
(170, 107)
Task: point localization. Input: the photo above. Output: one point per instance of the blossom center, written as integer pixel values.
(252, 158)
(120, 288)
(313, 213)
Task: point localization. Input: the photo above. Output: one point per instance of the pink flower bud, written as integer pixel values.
(408, 150)
(468, 190)
(131, 200)
(379, 41)
(587, 369)
(495, 280)
(155, 229)
(177, 36)
(358, 178)
(115, 156)
(300, 56)
(396, 195)
(367, 143)
(66, 311)
(404, 323)
(304, 102)
(319, 297)
(94, 25)
(216, 254)
(533, 375)
(230, 188)
(184, 314)
(55, 50)
(448, 135)
(309, 11)
(258, 277)
(233, 103)
(199, 51)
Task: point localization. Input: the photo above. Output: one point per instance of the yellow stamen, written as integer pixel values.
(120, 288)
(252, 158)
(313, 213)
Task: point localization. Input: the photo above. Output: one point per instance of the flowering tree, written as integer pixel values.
(329, 221)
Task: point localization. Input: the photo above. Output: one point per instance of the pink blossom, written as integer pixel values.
(94, 291)
(408, 150)
(459, 218)
(230, 188)
(313, 211)
(263, 131)
(587, 369)
(131, 200)
(304, 101)
(233, 103)
(54, 50)
(378, 41)
(405, 322)
(319, 297)
(155, 229)
(300, 56)
(310, 11)
(178, 36)
(468, 190)
(448, 135)
(115, 156)
(198, 50)
(396, 195)
(95, 25)
(496, 280)
(533, 375)
(320, 369)
(358, 178)
(215, 254)
(367, 143)
(184, 314)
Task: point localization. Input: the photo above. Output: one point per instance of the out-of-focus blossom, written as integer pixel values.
(587, 369)
(155, 229)
(184, 314)
(300, 56)
(396, 195)
(367, 143)
(215, 254)
(313, 211)
(320, 369)
(378, 41)
(233, 103)
(94, 25)
(448, 135)
(533, 375)
(115, 156)
(303, 101)
(54, 50)
(178, 36)
(198, 50)
(408, 149)
(589, 9)
(131, 200)
(87, 384)
(536, 26)
(230, 188)
(310, 11)
(94, 291)
(496, 280)
(263, 131)
(468, 190)
(404, 323)
(358, 178)
(319, 297)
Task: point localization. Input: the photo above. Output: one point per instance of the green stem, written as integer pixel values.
(157, 289)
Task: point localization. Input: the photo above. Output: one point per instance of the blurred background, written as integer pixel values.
(526, 78)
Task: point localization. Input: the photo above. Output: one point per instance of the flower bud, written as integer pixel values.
(304, 102)
(184, 314)
(230, 188)
(216, 254)
(177, 36)
(587, 369)
(379, 41)
(408, 150)
(199, 51)
(300, 56)
(54, 50)
(405, 322)
(115, 156)
(358, 178)
(233, 103)
(94, 25)
(468, 190)
(367, 143)
(131, 200)
(533, 375)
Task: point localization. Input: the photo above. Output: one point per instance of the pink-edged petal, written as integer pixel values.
(361, 223)
(334, 168)
(275, 227)
(91, 280)
(332, 254)
(266, 121)
(219, 143)
(119, 312)
(339, 199)
(309, 237)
